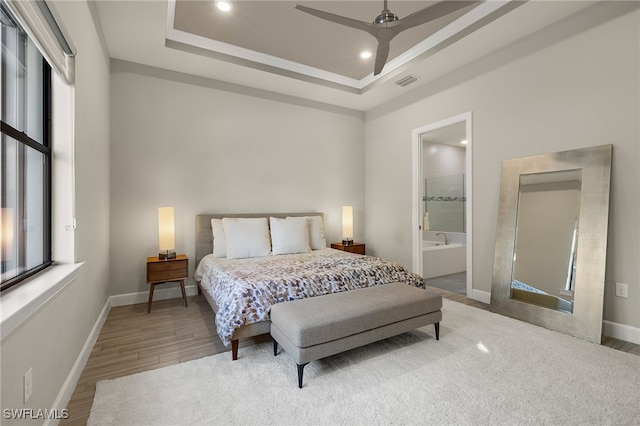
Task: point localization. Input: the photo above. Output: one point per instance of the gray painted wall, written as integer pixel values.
(574, 85)
(203, 146)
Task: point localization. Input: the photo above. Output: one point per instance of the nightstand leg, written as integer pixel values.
(150, 297)
(184, 293)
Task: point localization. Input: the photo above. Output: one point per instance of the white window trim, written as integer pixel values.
(22, 301)
(17, 305)
(39, 30)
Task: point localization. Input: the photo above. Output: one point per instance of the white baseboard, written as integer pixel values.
(158, 294)
(621, 331)
(481, 296)
(69, 385)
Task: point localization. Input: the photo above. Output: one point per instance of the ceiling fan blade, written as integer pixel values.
(389, 28)
(342, 20)
(381, 56)
(431, 13)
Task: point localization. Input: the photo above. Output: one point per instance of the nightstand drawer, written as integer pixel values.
(166, 275)
(166, 266)
(357, 248)
(167, 270)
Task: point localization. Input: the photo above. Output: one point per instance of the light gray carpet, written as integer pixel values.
(486, 369)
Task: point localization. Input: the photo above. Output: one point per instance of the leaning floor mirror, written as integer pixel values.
(551, 240)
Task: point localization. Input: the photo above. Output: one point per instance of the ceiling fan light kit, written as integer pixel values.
(387, 25)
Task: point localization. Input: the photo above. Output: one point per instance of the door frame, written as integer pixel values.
(417, 189)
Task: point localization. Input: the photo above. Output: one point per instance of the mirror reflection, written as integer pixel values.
(543, 196)
(546, 236)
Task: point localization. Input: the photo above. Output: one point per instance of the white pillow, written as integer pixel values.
(246, 237)
(290, 235)
(219, 244)
(316, 233)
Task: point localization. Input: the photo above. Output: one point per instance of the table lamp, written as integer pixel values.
(166, 233)
(347, 225)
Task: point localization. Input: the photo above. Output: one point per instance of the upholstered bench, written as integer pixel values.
(317, 327)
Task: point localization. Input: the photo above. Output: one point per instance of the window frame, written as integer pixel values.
(45, 149)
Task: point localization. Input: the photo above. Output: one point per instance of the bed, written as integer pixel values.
(241, 290)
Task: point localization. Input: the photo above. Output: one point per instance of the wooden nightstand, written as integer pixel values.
(164, 271)
(357, 248)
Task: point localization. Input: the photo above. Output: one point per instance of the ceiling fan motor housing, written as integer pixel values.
(385, 17)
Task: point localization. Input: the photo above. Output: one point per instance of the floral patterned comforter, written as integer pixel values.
(245, 289)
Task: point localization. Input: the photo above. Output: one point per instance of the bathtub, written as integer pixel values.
(440, 259)
(438, 245)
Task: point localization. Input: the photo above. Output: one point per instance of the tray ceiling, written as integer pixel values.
(271, 47)
(274, 35)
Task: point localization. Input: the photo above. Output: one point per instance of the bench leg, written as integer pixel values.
(234, 350)
(437, 326)
(300, 371)
(275, 347)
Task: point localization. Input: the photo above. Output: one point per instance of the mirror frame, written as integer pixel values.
(586, 320)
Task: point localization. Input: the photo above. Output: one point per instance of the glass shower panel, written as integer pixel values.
(445, 203)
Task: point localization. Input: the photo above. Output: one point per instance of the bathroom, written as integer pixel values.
(444, 205)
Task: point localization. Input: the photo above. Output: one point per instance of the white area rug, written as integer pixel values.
(485, 369)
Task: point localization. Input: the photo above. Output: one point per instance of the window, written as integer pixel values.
(25, 155)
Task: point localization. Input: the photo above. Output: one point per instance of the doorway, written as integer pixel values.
(442, 201)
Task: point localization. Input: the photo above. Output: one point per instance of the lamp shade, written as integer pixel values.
(166, 229)
(347, 223)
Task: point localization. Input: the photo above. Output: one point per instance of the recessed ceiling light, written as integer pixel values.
(223, 5)
(365, 54)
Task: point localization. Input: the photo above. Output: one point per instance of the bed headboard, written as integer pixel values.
(204, 233)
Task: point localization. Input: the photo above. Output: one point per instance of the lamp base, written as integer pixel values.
(347, 242)
(167, 255)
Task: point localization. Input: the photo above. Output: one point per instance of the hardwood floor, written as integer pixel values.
(132, 341)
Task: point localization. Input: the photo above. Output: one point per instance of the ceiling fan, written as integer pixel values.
(387, 25)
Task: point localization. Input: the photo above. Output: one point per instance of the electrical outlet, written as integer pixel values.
(622, 290)
(28, 384)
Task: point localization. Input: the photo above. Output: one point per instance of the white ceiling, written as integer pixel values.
(269, 45)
